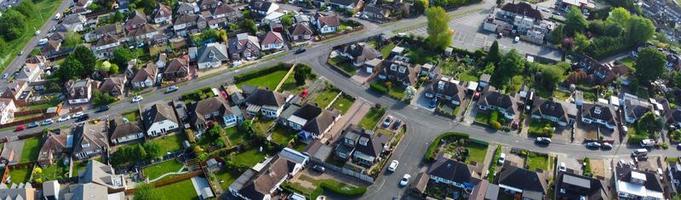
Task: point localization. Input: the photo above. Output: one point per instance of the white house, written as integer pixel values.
(7, 109)
(160, 119)
(79, 91)
(212, 55)
(327, 24)
(123, 131)
(265, 102)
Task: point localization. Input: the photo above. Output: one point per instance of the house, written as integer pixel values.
(674, 118)
(454, 173)
(17, 90)
(365, 147)
(90, 140)
(447, 89)
(510, 10)
(327, 24)
(631, 183)
(105, 46)
(144, 33)
(674, 175)
(74, 22)
(265, 102)
(520, 181)
(311, 121)
(54, 148)
(349, 5)
(212, 55)
(300, 32)
(225, 11)
(145, 77)
(574, 186)
(122, 131)
(30, 73)
(209, 4)
(160, 119)
(375, 12)
(163, 14)
(359, 53)
(263, 8)
(189, 24)
(52, 48)
(177, 69)
(103, 175)
(371, 65)
(79, 91)
(244, 46)
(599, 114)
(108, 29)
(550, 110)
(399, 71)
(114, 85)
(184, 8)
(272, 41)
(495, 101)
(215, 109)
(84, 191)
(263, 183)
(7, 109)
(633, 107)
(22, 191)
(135, 21)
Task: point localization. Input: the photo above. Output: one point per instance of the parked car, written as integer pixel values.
(32, 125)
(137, 99)
(4, 76)
(172, 88)
(64, 118)
(639, 152)
(516, 39)
(647, 143)
(393, 165)
(606, 146)
(102, 109)
(543, 140)
(502, 158)
(433, 103)
(319, 168)
(397, 124)
(77, 115)
(562, 167)
(593, 145)
(47, 122)
(678, 146)
(20, 128)
(387, 121)
(83, 118)
(301, 50)
(405, 180)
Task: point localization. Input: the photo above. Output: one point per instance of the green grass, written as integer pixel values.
(325, 97)
(344, 65)
(30, 150)
(225, 178)
(421, 55)
(535, 162)
(371, 118)
(46, 10)
(282, 136)
(20, 175)
(476, 152)
(235, 136)
(628, 61)
(54, 172)
(267, 81)
(261, 126)
(53, 102)
(467, 76)
(132, 116)
(171, 143)
(385, 51)
(396, 93)
(182, 190)
(158, 170)
(343, 103)
(561, 95)
(482, 118)
(248, 158)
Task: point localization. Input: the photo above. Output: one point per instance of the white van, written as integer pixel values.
(640, 152)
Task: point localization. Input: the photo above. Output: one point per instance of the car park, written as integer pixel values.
(393, 165)
(405, 180)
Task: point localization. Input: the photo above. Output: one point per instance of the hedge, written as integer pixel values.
(378, 88)
(342, 188)
(431, 151)
(262, 72)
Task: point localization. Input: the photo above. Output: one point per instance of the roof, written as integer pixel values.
(260, 5)
(106, 39)
(521, 178)
(674, 116)
(121, 128)
(163, 11)
(143, 30)
(331, 20)
(634, 106)
(224, 9)
(497, 99)
(87, 191)
(113, 83)
(208, 106)
(213, 52)
(371, 144)
(177, 65)
(137, 19)
(101, 174)
(267, 180)
(266, 97)
(272, 38)
(159, 112)
(18, 192)
(574, 186)
(361, 52)
(51, 188)
(73, 19)
(522, 8)
(148, 72)
(90, 137)
(108, 29)
(448, 86)
(599, 111)
(301, 29)
(344, 2)
(54, 144)
(550, 108)
(186, 18)
(452, 170)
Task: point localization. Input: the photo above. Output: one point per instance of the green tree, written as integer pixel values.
(619, 16)
(114, 69)
(214, 132)
(249, 26)
(148, 5)
(581, 42)
(439, 34)
(511, 64)
(121, 56)
(575, 22)
(12, 24)
(420, 6)
(493, 55)
(300, 75)
(2, 44)
(650, 123)
(287, 20)
(613, 30)
(597, 27)
(153, 150)
(141, 152)
(69, 69)
(551, 75)
(145, 191)
(87, 58)
(640, 30)
(556, 36)
(27, 8)
(101, 98)
(649, 65)
(72, 39)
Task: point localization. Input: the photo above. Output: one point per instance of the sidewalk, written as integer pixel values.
(357, 110)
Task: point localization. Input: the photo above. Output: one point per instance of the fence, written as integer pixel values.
(169, 180)
(346, 171)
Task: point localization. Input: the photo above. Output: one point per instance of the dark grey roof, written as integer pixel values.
(452, 170)
(159, 112)
(361, 52)
(374, 144)
(266, 98)
(576, 186)
(599, 111)
(550, 108)
(213, 52)
(121, 128)
(521, 178)
(320, 123)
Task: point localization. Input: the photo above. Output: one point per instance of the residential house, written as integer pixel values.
(227, 12)
(349, 5)
(272, 41)
(209, 4)
(135, 21)
(79, 91)
(674, 118)
(189, 24)
(453, 173)
(81, 6)
(17, 90)
(633, 107)
(399, 71)
(145, 77)
(22, 191)
(159, 119)
(161, 61)
(212, 55)
(327, 24)
(520, 181)
(163, 14)
(300, 32)
(54, 148)
(83, 191)
(144, 33)
(575, 186)
(674, 175)
(122, 131)
(244, 46)
(510, 10)
(375, 12)
(108, 29)
(215, 109)
(366, 147)
(263, 183)
(74, 22)
(52, 48)
(105, 46)
(184, 8)
(177, 69)
(359, 53)
(265, 102)
(30, 73)
(550, 110)
(262, 8)
(311, 121)
(103, 175)
(90, 140)
(7, 109)
(599, 113)
(632, 183)
(495, 101)
(373, 64)
(447, 89)
(114, 85)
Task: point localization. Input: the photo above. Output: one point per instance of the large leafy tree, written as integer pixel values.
(121, 56)
(27, 8)
(649, 65)
(420, 6)
(640, 30)
(650, 123)
(69, 69)
(72, 39)
(511, 64)
(581, 42)
(493, 55)
(619, 16)
(12, 24)
(87, 58)
(575, 21)
(613, 30)
(439, 34)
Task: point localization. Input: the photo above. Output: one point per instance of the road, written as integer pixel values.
(19, 60)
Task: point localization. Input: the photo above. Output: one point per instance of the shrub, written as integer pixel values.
(190, 135)
(378, 88)
(495, 124)
(494, 117)
(262, 72)
(448, 136)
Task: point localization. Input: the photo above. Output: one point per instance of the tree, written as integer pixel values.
(87, 58)
(72, 39)
(556, 36)
(581, 42)
(3, 44)
(650, 123)
(439, 34)
(141, 153)
(101, 98)
(551, 75)
(420, 6)
(511, 64)
(597, 27)
(249, 25)
(619, 16)
(121, 56)
(153, 150)
(649, 65)
(613, 30)
(575, 21)
(145, 191)
(148, 5)
(69, 69)
(114, 69)
(214, 132)
(493, 55)
(26, 8)
(12, 24)
(287, 20)
(640, 30)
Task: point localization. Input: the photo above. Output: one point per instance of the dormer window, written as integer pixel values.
(440, 85)
(393, 67)
(364, 141)
(403, 69)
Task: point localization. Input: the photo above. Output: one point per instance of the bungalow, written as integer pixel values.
(135, 21)
(311, 121)
(376, 12)
(105, 46)
(369, 147)
(633, 107)
(265, 102)
(447, 89)
(495, 101)
(212, 55)
(327, 24)
(163, 14)
(550, 110)
(145, 77)
(263, 8)
(123, 131)
(144, 33)
(74, 22)
(632, 183)
(159, 119)
(109, 29)
(599, 113)
(189, 24)
(79, 91)
(520, 181)
(30, 73)
(244, 46)
(262, 183)
(225, 11)
(272, 41)
(399, 70)
(453, 173)
(114, 85)
(359, 53)
(177, 69)
(54, 148)
(349, 5)
(215, 109)
(674, 118)
(575, 186)
(7, 109)
(90, 140)
(300, 32)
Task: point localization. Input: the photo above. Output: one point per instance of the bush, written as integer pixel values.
(378, 88)
(494, 117)
(495, 124)
(342, 188)
(262, 72)
(190, 135)
(448, 136)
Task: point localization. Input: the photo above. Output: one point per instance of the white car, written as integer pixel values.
(517, 39)
(64, 118)
(405, 180)
(393, 165)
(137, 99)
(77, 115)
(502, 158)
(562, 167)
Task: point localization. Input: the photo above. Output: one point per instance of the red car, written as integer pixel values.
(20, 128)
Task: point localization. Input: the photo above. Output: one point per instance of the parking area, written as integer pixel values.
(422, 101)
(594, 132)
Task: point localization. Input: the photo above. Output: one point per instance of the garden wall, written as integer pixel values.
(346, 171)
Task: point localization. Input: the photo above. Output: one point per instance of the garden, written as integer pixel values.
(159, 169)
(180, 190)
(52, 172)
(198, 95)
(170, 143)
(458, 146)
(225, 178)
(396, 92)
(343, 65)
(372, 117)
(264, 78)
(534, 161)
(30, 149)
(541, 128)
(493, 166)
(248, 158)
(132, 116)
(492, 119)
(281, 135)
(342, 103)
(330, 186)
(19, 174)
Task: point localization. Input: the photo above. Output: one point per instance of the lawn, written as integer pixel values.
(54, 172)
(19, 175)
(467, 76)
(387, 49)
(225, 178)
(158, 170)
(535, 162)
(261, 126)
(248, 158)
(132, 116)
(31, 149)
(197, 95)
(171, 143)
(281, 135)
(476, 152)
(270, 80)
(182, 190)
(325, 97)
(343, 103)
(371, 118)
(558, 94)
(343, 65)
(482, 118)
(235, 136)
(51, 103)
(421, 55)
(12, 48)
(628, 61)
